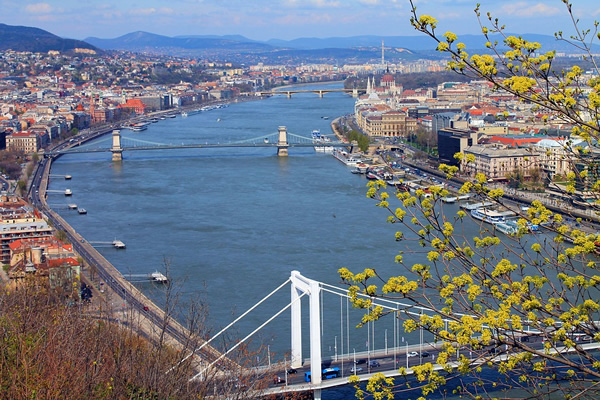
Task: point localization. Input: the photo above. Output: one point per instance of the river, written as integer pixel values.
(233, 223)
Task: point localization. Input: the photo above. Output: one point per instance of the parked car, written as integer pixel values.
(292, 371)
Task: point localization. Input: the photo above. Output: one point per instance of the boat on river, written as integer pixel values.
(82, 210)
(449, 199)
(158, 277)
(473, 205)
(321, 142)
(509, 227)
(488, 215)
(348, 159)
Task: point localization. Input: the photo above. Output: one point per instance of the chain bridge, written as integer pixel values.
(117, 143)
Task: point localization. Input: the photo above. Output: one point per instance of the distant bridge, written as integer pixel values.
(321, 92)
(282, 140)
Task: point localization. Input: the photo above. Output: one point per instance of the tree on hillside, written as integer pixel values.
(93, 351)
(503, 309)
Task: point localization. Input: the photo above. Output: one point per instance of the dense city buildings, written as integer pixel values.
(47, 97)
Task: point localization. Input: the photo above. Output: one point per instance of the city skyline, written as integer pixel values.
(289, 19)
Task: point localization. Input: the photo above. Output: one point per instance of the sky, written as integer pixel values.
(286, 19)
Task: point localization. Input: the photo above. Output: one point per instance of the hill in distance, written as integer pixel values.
(145, 41)
(24, 38)
(356, 48)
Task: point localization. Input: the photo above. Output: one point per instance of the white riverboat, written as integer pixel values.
(158, 277)
(509, 227)
(449, 199)
(348, 159)
(321, 142)
(473, 205)
(488, 215)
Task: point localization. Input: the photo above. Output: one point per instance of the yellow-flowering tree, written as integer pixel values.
(526, 306)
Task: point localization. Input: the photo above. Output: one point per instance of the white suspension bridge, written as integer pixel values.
(316, 373)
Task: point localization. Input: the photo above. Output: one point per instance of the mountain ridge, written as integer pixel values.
(26, 38)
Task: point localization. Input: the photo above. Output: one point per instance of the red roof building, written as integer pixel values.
(135, 104)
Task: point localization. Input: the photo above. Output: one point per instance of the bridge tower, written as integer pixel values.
(355, 92)
(282, 143)
(116, 149)
(301, 285)
(289, 95)
(321, 93)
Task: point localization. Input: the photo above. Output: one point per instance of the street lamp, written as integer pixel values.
(335, 348)
(407, 354)
(354, 361)
(386, 350)
(269, 354)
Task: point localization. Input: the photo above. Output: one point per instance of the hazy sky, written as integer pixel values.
(283, 19)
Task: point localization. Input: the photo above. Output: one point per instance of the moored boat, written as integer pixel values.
(473, 205)
(346, 158)
(321, 142)
(487, 215)
(508, 227)
(362, 168)
(158, 277)
(449, 199)
(82, 210)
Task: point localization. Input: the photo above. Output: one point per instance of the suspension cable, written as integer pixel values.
(248, 336)
(232, 323)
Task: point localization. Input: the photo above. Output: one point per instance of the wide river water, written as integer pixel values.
(233, 223)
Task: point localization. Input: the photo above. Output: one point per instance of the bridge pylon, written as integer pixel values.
(282, 143)
(301, 285)
(116, 149)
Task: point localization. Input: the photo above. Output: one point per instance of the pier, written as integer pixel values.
(117, 244)
(67, 177)
(66, 192)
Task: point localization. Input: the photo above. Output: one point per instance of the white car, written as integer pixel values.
(355, 369)
(413, 354)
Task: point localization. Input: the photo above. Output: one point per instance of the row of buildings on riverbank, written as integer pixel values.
(503, 136)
